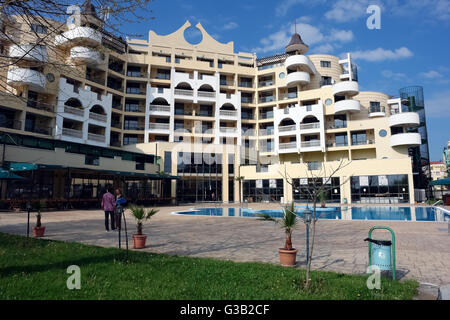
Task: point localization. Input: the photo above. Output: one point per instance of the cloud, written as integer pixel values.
(348, 10)
(437, 105)
(230, 26)
(340, 35)
(431, 74)
(389, 74)
(322, 49)
(381, 54)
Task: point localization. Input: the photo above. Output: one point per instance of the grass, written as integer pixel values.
(36, 269)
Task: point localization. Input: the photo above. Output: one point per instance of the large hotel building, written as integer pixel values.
(168, 120)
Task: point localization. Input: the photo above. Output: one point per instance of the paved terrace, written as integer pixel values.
(423, 248)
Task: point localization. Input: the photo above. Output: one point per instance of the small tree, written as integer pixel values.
(320, 183)
(288, 223)
(38, 206)
(141, 215)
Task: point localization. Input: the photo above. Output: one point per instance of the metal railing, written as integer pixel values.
(159, 126)
(206, 94)
(377, 110)
(266, 115)
(184, 92)
(72, 133)
(362, 143)
(287, 128)
(267, 83)
(96, 137)
(136, 91)
(309, 144)
(309, 126)
(228, 130)
(116, 124)
(228, 113)
(137, 74)
(285, 96)
(337, 126)
(98, 117)
(75, 111)
(289, 145)
(97, 80)
(332, 143)
(40, 105)
(159, 108)
(48, 131)
(266, 99)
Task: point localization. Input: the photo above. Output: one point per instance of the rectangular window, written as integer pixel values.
(326, 81)
(325, 64)
(359, 138)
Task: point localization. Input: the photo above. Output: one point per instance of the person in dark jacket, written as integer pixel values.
(120, 203)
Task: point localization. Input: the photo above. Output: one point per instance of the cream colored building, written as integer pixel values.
(213, 115)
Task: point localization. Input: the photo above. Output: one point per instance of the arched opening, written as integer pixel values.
(287, 122)
(74, 103)
(206, 88)
(160, 102)
(228, 106)
(184, 86)
(98, 109)
(309, 119)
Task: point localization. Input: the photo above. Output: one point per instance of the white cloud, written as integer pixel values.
(324, 48)
(348, 10)
(431, 74)
(381, 54)
(389, 74)
(230, 26)
(340, 35)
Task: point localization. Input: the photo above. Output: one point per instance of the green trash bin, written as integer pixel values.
(382, 252)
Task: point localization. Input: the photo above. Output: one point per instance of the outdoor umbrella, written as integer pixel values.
(441, 182)
(8, 175)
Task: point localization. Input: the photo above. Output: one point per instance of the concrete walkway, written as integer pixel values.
(423, 248)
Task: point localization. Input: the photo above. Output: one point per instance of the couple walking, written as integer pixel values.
(109, 205)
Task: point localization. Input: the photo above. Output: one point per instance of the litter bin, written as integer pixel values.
(382, 252)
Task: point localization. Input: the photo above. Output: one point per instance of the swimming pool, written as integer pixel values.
(334, 213)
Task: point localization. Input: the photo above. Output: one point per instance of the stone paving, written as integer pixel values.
(423, 248)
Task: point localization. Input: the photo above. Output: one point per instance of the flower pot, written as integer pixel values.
(38, 232)
(139, 241)
(288, 257)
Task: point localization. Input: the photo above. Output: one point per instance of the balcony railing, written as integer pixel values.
(227, 83)
(137, 74)
(72, 133)
(246, 100)
(136, 91)
(115, 143)
(285, 96)
(287, 128)
(267, 83)
(98, 117)
(96, 137)
(35, 104)
(377, 110)
(98, 80)
(265, 132)
(75, 111)
(289, 145)
(337, 125)
(309, 126)
(159, 126)
(184, 92)
(133, 127)
(117, 107)
(362, 143)
(266, 99)
(134, 108)
(228, 130)
(332, 143)
(310, 144)
(48, 131)
(163, 76)
(245, 84)
(159, 108)
(228, 113)
(267, 115)
(116, 124)
(206, 94)
(10, 124)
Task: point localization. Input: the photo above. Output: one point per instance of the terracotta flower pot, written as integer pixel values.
(139, 241)
(288, 257)
(38, 232)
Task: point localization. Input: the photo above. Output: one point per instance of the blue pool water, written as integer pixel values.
(335, 213)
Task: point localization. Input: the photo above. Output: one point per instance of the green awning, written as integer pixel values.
(22, 166)
(8, 175)
(441, 182)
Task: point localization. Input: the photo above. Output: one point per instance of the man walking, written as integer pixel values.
(108, 205)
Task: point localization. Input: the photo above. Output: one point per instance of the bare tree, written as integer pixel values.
(320, 183)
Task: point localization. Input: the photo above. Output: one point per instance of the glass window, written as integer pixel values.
(325, 64)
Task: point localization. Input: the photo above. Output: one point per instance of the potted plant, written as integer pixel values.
(288, 222)
(141, 215)
(38, 230)
(323, 198)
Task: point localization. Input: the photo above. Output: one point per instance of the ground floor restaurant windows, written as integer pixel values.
(199, 189)
(380, 189)
(263, 190)
(302, 187)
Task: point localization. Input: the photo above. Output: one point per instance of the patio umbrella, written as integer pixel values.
(441, 182)
(8, 175)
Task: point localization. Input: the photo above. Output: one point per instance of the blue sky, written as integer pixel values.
(411, 48)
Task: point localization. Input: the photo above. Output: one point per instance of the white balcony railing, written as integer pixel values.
(287, 128)
(228, 130)
(75, 111)
(72, 133)
(159, 126)
(228, 113)
(309, 126)
(310, 144)
(289, 145)
(98, 117)
(184, 92)
(159, 108)
(96, 137)
(205, 94)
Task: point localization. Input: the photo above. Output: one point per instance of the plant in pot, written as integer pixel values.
(38, 230)
(141, 215)
(323, 198)
(288, 222)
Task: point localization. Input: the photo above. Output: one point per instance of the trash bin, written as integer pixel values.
(381, 254)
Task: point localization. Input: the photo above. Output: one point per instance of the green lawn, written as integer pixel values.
(36, 269)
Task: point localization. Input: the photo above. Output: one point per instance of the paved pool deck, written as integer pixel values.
(423, 248)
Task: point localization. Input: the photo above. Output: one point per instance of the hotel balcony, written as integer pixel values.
(98, 117)
(31, 52)
(298, 77)
(163, 128)
(206, 95)
(228, 115)
(349, 88)
(159, 110)
(21, 76)
(377, 112)
(310, 127)
(86, 55)
(410, 119)
(287, 130)
(72, 133)
(310, 146)
(289, 147)
(412, 139)
(84, 35)
(300, 61)
(79, 112)
(343, 106)
(96, 137)
(184, 93)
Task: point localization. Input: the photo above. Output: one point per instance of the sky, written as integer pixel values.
(412, 47)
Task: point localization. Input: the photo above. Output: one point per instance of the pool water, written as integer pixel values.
(335, 213)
